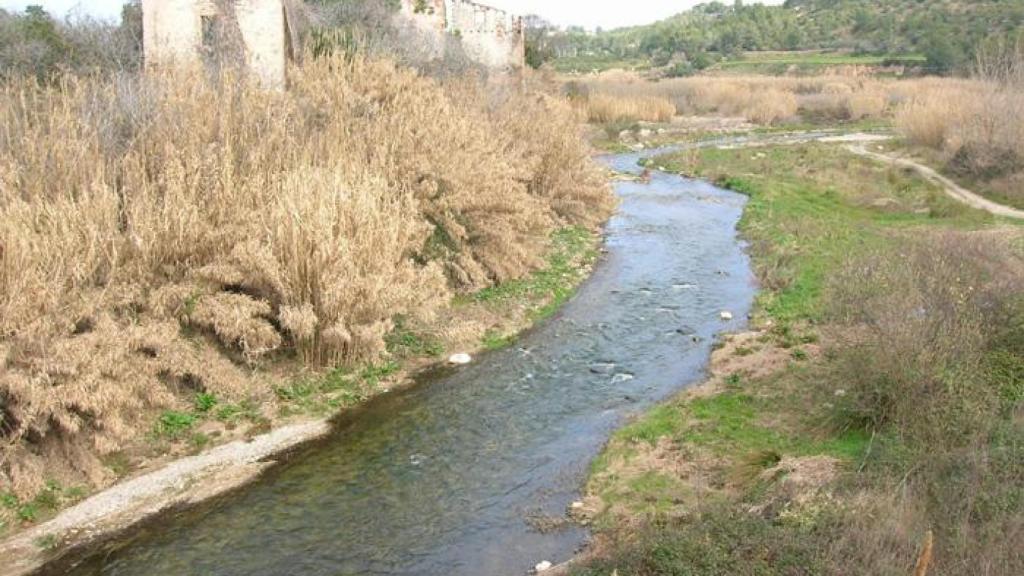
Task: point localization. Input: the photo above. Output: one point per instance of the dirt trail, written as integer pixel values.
(953, 189)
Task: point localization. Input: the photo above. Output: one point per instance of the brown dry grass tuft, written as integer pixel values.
(762, 99)
(161, 236)
(604, 109)
(976, 124)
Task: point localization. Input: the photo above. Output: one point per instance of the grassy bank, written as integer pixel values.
(878, 406)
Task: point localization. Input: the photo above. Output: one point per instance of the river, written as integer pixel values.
(451, 475)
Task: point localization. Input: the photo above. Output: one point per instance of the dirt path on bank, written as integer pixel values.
(953, 189)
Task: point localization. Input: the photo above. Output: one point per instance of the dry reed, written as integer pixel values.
(133, 209)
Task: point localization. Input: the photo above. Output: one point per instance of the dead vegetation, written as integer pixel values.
(932, 365)
(976, 125)
(764, 100)
(167, 236)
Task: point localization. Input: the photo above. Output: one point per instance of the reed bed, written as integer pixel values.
(167, 235)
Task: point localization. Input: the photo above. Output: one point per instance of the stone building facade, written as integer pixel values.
(253, 33)
(491, 37)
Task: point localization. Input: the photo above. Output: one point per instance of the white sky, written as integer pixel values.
(588, 13)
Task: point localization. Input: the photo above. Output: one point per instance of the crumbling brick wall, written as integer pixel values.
(189, 32)
(491, 37)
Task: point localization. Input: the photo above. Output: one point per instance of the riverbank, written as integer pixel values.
(845, 432)
(185, 475)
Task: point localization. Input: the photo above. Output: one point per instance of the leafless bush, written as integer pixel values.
(930, 340)
(34, 43)
(925, 316)
(373, 28)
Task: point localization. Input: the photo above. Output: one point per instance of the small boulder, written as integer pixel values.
(460, 359)
(542, 567)
(726, 316)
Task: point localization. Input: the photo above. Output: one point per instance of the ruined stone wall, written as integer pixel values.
(491, 37)
(173, 34)
(423, 22)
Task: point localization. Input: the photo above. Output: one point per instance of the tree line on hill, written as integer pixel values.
(946, 33)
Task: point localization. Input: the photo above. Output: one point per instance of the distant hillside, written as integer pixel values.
(945, 31)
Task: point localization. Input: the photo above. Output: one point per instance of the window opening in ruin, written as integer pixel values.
(210, 27)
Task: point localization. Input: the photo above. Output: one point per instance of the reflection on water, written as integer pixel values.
(442, 478)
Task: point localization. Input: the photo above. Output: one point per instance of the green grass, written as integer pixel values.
(733, 423)
(810, 62)
(600, 63)
(47, 542)
(546, 290)
(811, 207)
(405, 342)
(173, 424)
(494, 340)
(46, 502)
(716, 540)
(324, 394)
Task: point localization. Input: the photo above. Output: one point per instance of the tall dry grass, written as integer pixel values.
(760, 99)
(978, 125)
(605, 109)
(139, 217)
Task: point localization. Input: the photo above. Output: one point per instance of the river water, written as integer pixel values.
(449, 476)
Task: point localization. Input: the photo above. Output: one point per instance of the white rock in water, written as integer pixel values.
(726, 316)
(577, 505)
(459, 359)
(542, 567)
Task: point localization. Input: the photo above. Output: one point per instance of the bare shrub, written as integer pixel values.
(929, 351)
(924, 315)
(35, 43)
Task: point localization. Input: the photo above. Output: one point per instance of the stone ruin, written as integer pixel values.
(490, 37)
(261, 36)
(256, 34)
